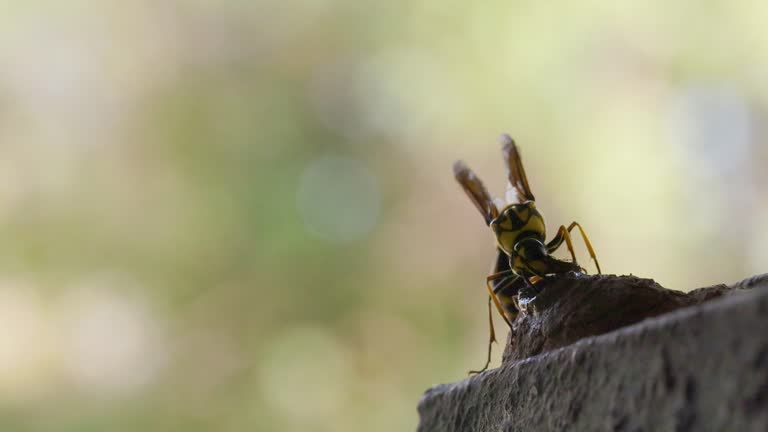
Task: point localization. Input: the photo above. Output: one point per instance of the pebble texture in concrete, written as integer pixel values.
(697, 368)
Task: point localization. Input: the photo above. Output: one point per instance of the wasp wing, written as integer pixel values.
(515, 170)
(476, 191)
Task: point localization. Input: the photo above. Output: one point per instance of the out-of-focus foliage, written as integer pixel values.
(232, 215)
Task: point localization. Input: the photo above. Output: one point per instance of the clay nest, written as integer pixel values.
(565, 308)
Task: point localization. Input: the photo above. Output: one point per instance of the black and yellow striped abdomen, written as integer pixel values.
(516, 222)
(507, 298)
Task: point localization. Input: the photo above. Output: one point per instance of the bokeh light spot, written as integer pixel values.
(24, 342)
(305, 375)
(112, 343)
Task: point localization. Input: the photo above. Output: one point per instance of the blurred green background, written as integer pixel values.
(234, 215)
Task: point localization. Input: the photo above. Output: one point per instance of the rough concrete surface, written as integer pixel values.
(698, 368)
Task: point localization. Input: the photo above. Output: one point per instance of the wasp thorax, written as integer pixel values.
(516, 222)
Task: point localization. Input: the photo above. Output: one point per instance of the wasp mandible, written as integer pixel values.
(522, 251)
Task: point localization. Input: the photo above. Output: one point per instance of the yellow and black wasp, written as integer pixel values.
(523, 255)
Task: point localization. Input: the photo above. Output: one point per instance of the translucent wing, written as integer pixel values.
(476, 191)
(515, 170)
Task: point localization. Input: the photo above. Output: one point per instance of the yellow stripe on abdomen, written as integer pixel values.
(534, 227)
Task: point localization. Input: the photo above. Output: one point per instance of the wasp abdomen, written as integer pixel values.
(516, 222)
(507, 297)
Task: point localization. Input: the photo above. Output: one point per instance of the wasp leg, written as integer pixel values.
(491, 340)
(587, 243)
(501, 286)
(562, 234)
(488, 281)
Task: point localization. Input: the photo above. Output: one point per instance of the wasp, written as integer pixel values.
(524, 256)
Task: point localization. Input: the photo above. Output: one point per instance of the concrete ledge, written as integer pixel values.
(700, 368)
